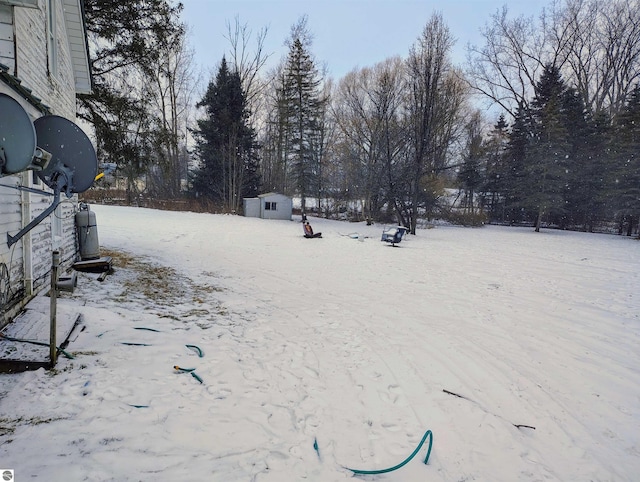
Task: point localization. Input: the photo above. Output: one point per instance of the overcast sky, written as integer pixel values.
(347, 33)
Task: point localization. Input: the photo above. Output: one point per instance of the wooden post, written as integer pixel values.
(55, 263)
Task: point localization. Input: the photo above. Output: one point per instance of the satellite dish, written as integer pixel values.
(17, 137)
(70, 167)
(74, 164)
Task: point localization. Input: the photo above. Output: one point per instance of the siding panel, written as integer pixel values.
(26, 28)
(7, 53)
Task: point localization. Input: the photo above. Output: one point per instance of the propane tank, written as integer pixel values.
(87, 230)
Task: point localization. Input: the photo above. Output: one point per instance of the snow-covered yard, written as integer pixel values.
(520, 351)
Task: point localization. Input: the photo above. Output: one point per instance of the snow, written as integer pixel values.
(345, 341)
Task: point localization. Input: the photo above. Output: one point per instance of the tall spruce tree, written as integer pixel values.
(225, 144)
(549, 150)
(303, 108)
(589, 163)
(513, 185)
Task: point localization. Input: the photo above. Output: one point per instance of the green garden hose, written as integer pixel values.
(197, 349)
(40, 343)
(428, 433)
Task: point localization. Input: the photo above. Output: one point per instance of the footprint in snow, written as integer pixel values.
(219, 393)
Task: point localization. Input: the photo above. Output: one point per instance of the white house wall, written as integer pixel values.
(7, 52)
(31, 53)
(10, 222)
(29, 260)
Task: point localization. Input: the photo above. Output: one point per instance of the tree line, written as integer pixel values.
(557, 163)
(558, 143)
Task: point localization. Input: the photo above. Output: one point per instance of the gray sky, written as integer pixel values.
(347, 33)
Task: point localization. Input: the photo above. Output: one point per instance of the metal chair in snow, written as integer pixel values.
(393, 235)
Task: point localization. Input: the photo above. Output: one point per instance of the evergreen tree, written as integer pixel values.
(577, 127)
(550, 148)
(590, 161)
(626, 173)
(493, 187)
(514, 180)
(472, 173)
(303, 108)
(226, 144)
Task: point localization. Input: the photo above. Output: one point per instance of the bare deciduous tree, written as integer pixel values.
(603, 58)
(171, 87)
(367, 110)
(506, 67)
(248, 63)
(274, 137)
(436, 95)
(595, 44)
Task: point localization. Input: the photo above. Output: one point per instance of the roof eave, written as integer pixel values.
(78, 45)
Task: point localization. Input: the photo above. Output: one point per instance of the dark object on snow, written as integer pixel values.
(94, 265)
(308, 231)
(393, 235)
(516, 425)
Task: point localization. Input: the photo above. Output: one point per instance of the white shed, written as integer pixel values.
(268, 206)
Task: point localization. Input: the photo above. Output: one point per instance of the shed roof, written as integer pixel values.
(268, 194)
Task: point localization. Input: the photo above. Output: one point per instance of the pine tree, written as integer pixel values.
(549, 149)
(303, 108)
(493, 186)
(626, 186)
(472, 174)
(590, 161)
(514, 180)
(226, 144)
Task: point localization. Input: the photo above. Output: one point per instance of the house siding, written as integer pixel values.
(23, 49)
(10, 222)
(283, 206)
(31, 53)
(7, 53)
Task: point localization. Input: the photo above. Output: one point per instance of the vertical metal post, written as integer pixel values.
(55, 263)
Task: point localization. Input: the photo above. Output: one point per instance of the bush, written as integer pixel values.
(119, 197)
(466, 218)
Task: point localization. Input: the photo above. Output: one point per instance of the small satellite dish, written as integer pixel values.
(74, 164)
(17, 137)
